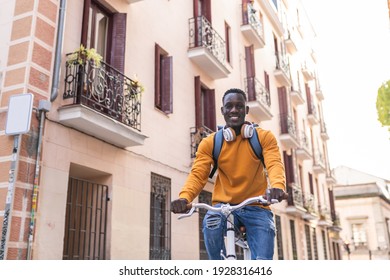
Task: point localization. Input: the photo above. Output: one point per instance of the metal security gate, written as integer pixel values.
(86, 221)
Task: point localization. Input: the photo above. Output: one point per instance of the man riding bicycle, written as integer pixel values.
(241, 175)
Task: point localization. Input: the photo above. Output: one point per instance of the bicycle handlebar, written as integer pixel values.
(226, 209)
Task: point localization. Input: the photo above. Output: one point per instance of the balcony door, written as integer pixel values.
(105, 31)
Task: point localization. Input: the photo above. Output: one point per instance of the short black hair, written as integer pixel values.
(234, 90)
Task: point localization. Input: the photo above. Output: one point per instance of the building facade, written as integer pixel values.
(363, 203)
(112, 139)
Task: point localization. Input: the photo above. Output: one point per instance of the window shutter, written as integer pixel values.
(210, 109)
(166, 84)
(250, 72)
(245, 19)
(157, 71)
(283, 109)
(84, 30)
(308, 98)
(117, 58)
(198, 106)
(288, 168)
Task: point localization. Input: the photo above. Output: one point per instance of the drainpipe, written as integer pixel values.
(44, 106)
(58, 51)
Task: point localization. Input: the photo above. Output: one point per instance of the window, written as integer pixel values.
(315, 248)
(160, 218)
(279, 238)
(163, 99)
(324, 244)
(308, 243)
(359, 236)
(293, 240)
(204, 106)
(106, 32)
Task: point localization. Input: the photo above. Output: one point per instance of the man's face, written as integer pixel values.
(234, 109)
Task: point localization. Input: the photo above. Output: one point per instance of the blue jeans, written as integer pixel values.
(260, 232)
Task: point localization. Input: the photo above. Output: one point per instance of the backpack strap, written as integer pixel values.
(256, 146)
(218, 141)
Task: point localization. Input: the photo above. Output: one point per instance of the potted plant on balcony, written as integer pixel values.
(136, 86)
(83, 54)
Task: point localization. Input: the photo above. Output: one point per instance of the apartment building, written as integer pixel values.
(363, 203)
(113, 139)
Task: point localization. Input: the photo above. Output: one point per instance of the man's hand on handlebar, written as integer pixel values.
(179, 206)
(275, 193)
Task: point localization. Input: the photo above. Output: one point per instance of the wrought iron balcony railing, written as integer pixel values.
(202, 34)
(197, 134)
(257, 91)
(287, 126)
(105, 90)
(282, 64)
(295, 197)
(251, 17)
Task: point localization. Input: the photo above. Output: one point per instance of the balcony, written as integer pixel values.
(196, 136)
(329, 178)
(312, 115)
(307, 72)
(252, 27)
(303, 151)
(324, 133)
(295, 201)
(272, 14)
(319, 94)
(325, 219)
(296, 96)
(319, 163)
(259, 100)
(288, 132)
(336, 227)
(290, 42)
(282, 71)
(132, 1)
(105, 104)
(207, 49)
(308, 204)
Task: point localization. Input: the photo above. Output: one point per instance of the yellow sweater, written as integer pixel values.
(240, 172)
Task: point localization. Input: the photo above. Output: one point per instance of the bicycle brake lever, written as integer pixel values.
(188, 214)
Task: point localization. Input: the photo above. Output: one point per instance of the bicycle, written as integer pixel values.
(232, 238)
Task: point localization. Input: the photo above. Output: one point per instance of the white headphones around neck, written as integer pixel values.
(247, 130)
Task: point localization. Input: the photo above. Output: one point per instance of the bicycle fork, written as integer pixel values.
(231, 242)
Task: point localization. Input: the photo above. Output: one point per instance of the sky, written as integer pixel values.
(353, 51)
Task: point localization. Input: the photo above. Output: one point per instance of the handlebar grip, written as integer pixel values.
(189, 206)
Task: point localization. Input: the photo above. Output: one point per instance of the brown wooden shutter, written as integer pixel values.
(308, 98)
(283, 109)
(311, 185)
(289, 168)
(245, 19)
(117, 57)
(206, 9)
(198, 107)
(84, 28)
(157, 71)
(250, 72)
(166, 84)
(210, 109)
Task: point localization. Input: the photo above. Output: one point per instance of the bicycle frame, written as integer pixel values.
(226, 210)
